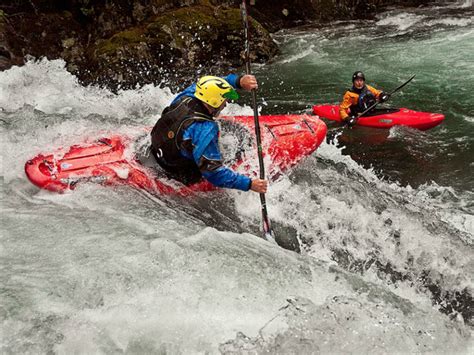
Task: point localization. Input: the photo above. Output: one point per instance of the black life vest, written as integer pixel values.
(366, 99)
(167, 139)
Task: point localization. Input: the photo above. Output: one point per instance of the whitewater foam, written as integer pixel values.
(451, 21)
(47, 86)
(104, 269)
(402, 21)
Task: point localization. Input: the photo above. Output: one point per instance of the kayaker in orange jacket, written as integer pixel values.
(359, 98)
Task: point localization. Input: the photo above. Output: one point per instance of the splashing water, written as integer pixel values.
(386, 267)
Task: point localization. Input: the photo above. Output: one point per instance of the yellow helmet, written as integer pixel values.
(214, 90)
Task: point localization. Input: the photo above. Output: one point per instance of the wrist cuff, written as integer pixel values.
(250, 184)
(238, 81)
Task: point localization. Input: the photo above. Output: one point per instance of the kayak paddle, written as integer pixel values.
(333, 133)
(268, 234)
(389, 95)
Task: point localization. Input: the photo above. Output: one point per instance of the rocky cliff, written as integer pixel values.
(122, 43)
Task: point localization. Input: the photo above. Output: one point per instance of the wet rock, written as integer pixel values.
(122, 43)
(51, 35)
(453, 302)
(179, 40)
(7, 58)
(286, 237)
(342, 324)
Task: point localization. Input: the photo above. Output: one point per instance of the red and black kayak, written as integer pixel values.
(385, 118)
(286, 139)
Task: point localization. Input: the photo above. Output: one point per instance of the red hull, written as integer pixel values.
(286, 139)
(402, 117)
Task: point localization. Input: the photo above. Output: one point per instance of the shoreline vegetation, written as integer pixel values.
(125, 43)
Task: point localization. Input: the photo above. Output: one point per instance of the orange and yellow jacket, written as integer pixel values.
(352, 99)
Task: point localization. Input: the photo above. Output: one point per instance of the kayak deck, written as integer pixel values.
(286, 140)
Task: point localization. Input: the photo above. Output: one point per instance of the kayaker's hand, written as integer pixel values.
(248, 82)
(351, 121)
(383, 97)
(259, 185)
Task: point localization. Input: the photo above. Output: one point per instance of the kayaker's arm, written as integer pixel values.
(245, 82)
(221, 176)
(374, 91)
(233, 80)
(206, 154)
(379, 94)
(344, 106)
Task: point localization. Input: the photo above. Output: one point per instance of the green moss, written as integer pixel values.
(180, 26)
(232, 19)
(194, 34)
(119, 40)
(129, 36)
(186, 18)
(3, 20)
(205, 3)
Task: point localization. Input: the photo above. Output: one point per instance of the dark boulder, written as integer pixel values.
(122, 43)
(184, 40)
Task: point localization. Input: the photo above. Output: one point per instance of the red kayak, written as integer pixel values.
(386, 118)
(286, 139)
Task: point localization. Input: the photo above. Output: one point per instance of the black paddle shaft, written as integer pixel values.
(389, 94)
(266, 222)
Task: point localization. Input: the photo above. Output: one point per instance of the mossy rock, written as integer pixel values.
(202, 30)
(3, 20)
(181, 41)
(208, 29)
(182, 25)
(122, 39)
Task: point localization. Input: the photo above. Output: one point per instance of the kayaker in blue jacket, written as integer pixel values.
(185, 138)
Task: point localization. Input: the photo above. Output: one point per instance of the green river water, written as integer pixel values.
(435, 43)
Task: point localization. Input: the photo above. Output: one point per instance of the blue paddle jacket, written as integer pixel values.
(204, 136)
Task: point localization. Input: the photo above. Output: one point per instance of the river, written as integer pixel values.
(385, 219)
